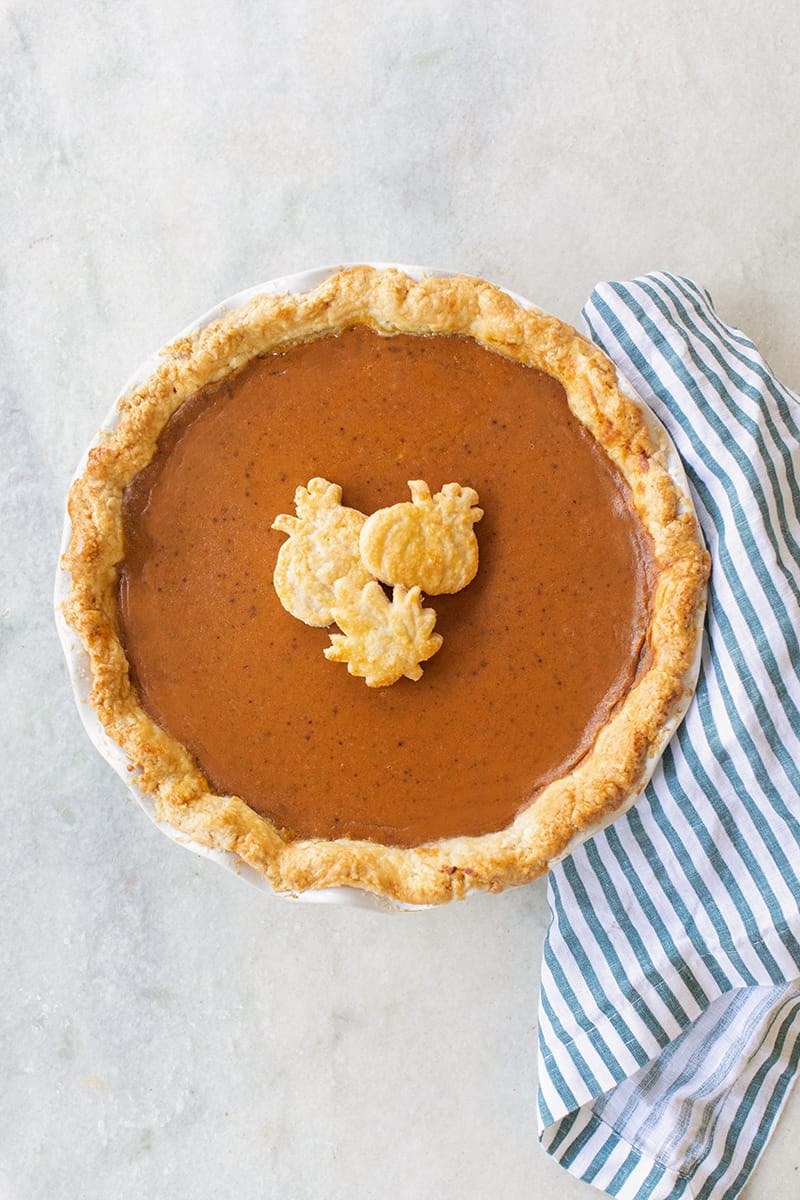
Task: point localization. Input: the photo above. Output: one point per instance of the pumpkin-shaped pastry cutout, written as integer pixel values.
(427, 542)
(323, 547)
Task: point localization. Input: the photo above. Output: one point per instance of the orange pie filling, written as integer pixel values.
(538, 650)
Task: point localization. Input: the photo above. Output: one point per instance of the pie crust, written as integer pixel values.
(601, 784)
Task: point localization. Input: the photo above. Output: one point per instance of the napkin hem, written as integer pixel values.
(617, 1164)
(600, 1152)
(592, 1043)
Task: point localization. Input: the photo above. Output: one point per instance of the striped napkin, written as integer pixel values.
(669, 1018)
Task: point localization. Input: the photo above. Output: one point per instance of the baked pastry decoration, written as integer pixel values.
(382, 639)
(323, 547)
(566, 666)
(326, 572)
(428, 543)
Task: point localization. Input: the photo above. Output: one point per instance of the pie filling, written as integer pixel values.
(538, 650)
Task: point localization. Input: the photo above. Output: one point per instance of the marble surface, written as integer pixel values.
(165, 1030)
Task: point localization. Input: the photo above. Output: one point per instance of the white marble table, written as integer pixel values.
(165, 1031)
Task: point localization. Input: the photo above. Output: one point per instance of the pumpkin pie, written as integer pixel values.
(555, 674)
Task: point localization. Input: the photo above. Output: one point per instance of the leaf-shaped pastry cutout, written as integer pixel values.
(382, 639)
(323, 547)
(428, 542)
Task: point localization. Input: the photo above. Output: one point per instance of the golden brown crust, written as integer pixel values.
(390, 302)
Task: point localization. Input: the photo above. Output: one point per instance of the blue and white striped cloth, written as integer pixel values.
(669, 1019)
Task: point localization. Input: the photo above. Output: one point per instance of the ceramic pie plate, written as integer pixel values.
(78, 659)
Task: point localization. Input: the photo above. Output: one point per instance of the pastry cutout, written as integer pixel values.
(323, 547)
(382, 639)
(428, 542)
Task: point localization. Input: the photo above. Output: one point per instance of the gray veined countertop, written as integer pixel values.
(165, 1030)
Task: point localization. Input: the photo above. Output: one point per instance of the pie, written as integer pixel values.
(560, 668)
